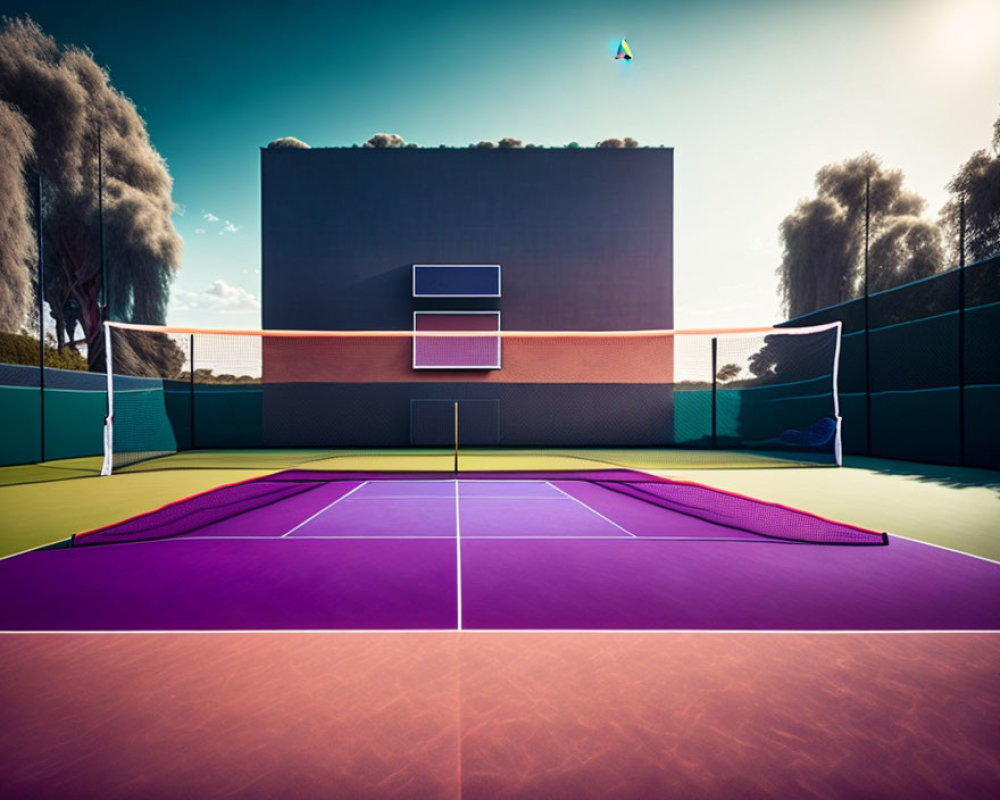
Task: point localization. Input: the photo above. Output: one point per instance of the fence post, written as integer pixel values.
(961, 331)
(191, 384)
(104, 302)
(868, 347)
(41, 319)
(715, 370)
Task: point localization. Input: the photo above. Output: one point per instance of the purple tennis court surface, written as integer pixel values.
(611, 550)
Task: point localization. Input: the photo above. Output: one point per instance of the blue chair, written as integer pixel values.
(819, 434)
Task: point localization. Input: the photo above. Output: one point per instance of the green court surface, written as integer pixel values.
(954, 507)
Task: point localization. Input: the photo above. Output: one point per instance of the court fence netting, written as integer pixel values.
(920, 377)
(476, 399)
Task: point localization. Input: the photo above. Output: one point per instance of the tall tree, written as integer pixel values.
(68, 101)
(978, 184)
(824, 238)
(17, 241)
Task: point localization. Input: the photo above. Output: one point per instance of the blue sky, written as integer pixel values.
(754, 96)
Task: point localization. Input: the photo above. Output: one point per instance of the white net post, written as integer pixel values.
(837, 444)
(109, 438)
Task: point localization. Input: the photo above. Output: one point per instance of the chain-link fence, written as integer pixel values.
(921, 381)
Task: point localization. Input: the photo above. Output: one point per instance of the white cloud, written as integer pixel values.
(180, 209)
(219, 297)
(227, 226)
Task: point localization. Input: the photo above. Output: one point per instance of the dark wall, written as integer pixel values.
(506, 415)
(584, 237)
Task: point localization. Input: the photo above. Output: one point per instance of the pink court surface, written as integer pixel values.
(305, 633)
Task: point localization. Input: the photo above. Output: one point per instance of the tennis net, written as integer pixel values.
(464, 385)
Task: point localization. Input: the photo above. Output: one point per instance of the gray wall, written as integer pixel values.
(584, 237)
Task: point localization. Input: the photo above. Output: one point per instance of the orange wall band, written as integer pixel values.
(525, 360)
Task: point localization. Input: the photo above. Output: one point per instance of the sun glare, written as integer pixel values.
(967, 30)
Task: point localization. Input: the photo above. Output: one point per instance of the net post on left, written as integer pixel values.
(109, 419)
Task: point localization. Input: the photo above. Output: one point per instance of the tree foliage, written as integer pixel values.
(68, 102)
(23, 349)
(824, 238)
(728, 371)
(978, 184)
(207, 375)
(146, 354)
(287, 142)
(386, 140)
(17, 241)
(392, 140)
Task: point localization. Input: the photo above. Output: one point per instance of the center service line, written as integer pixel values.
(458, 556)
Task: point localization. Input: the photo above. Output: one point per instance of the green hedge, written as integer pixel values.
(16, 348)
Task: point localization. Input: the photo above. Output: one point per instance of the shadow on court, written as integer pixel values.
(949, 476)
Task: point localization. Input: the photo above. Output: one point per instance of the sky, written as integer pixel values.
(755, 96)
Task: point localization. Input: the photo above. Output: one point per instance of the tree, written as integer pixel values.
(70, 105)
(728, 371)
(287, 142)
(385, 140)
(17, 241)
(510, 144)
(147, 354)
(19, 348)
(611, 144)
(978, 184)
(786, 359)
(824, 238)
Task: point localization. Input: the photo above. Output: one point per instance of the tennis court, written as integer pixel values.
(518, 588)
(597, 550)
(269, 603)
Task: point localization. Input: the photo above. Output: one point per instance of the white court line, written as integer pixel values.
(483, 631)
(382, 498)
(395, 482)
(942, 547)
(304, 522)
(448, 497)
(284, 538)
(529, 481)
(592, 511)
(458, 555)
(480, 539)
(36, 549)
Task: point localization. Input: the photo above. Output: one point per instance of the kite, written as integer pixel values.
(624, 51)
